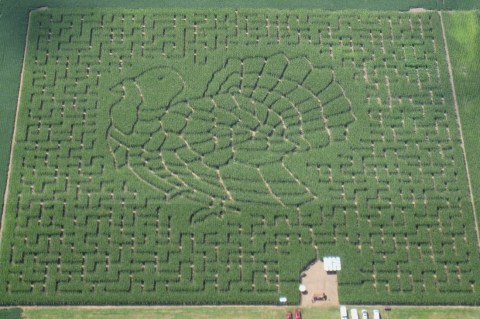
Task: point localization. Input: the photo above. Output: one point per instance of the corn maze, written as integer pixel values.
(200, 157)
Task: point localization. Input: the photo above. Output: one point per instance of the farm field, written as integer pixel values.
(14, 16)
(464, 38)
(240, 312)
(200, 157)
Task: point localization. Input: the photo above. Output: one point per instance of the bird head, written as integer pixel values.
(155, 86)
(159, 86)
(151, 91)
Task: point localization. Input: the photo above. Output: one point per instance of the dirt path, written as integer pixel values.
(10, 163)
(318, 281)
(459, 124)
(418, 10)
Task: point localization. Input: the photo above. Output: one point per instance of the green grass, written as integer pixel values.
(463, 32)
(12, 313)
(171, 313)
(178, 157)
(241, 313)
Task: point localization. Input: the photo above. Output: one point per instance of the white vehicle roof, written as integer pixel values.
(354, 313)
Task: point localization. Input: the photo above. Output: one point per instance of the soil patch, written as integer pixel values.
(319, 282)
(417, 10)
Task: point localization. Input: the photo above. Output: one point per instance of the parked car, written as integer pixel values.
(343, 312)
(298, 314)
(354, 313)
(289, 315)
(376, 314)
(364, 314)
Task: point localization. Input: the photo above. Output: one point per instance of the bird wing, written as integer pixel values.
(308, 99)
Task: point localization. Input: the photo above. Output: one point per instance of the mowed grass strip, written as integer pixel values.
(241, 313)
(463, 36)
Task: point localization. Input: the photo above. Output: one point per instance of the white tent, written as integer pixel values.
(332, 263)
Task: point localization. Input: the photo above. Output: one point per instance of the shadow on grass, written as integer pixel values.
(12, 313)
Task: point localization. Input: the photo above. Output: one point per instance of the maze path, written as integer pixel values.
(199, 192)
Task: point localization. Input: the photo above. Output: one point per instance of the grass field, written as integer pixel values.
(242, 313)
(11, 313)
(198, 157)
(463, 38)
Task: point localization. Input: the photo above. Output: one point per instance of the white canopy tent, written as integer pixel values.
(332, 263)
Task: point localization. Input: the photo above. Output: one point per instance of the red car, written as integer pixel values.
(289, 315)
(298, 314)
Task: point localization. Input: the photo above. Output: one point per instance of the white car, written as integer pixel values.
(376, 314)
(343, 312)
(364, 314)
(354, 313)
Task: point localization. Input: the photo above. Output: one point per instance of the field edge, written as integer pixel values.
(403, 312)
(463, 38)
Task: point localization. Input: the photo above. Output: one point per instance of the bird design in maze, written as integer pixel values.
(230, 143)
